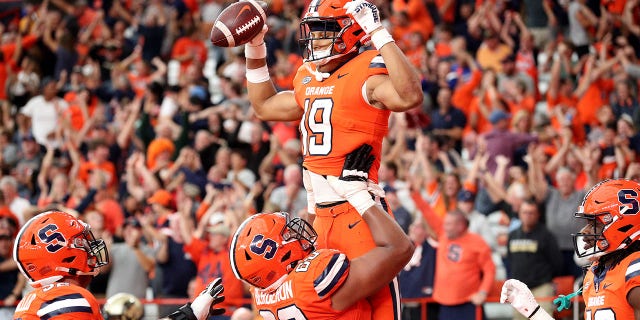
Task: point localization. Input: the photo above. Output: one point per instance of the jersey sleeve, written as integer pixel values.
(632, 275)
(331, 269)
(377, 66)
(69, 303)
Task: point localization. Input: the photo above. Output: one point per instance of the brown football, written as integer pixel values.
(238, 23)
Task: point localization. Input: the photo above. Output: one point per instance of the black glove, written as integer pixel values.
(202, 306)
(357, 164)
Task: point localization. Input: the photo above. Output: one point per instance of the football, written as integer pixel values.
(238, 23)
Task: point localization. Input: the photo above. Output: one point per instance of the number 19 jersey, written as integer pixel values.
(337, 116)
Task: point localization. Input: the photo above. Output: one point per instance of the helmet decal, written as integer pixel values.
(259, 245)
(54, 240)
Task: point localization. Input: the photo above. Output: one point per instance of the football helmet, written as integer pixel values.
(330, 23)
(123, 306)
(267, 246)
(55, 244)
(612, 211)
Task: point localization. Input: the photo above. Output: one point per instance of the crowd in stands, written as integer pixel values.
(122, 112)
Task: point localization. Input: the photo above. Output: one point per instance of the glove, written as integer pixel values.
(520, 297)
(203, 304)
(366, 15)
(352, 183)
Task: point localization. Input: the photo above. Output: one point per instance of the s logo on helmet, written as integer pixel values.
(262, 246)
(629, 200)
(54, 240)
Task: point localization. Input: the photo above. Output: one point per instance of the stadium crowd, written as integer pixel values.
(122, 113)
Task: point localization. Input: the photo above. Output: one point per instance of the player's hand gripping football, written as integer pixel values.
(203, 305)
(352, 182)
(520, 297)
(366, 15)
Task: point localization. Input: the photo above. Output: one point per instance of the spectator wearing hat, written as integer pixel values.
(28, 164)
(501, 141)
(130, 262)
(509, 78)
(208, 246)
(533, 255)
(45, 111)
(159, 153)
(478, 222)
(400, 214)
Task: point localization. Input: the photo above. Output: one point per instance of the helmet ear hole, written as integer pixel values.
(286, 256)
(69, 259)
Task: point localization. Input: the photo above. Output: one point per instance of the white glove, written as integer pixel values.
(375, 189)
(352, 183)
(366, 15)
(203, 304)
(520, 297)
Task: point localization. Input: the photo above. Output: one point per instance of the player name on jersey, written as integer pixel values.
(595, 301)
(319, 91)
(284, 292)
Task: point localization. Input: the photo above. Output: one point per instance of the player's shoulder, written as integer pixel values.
(630, 267)
(326, 269)
(62, 298)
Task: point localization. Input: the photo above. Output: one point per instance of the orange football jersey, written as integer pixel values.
(337, 118)
(605, 296)
(306, 292)
(58, 301)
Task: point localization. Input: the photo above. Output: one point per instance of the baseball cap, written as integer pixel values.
(219, 228)
(132, 221)
(161, 197)
(388, 188)
(497, 115)
(509, 58)
(465, 195)
(28, 137)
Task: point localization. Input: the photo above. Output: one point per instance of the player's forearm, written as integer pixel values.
(387, 233)
(403, 76)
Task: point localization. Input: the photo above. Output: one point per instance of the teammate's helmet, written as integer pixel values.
(613, 209)
(329, 17)
(268, 245)
(123, 306)
(55, 244)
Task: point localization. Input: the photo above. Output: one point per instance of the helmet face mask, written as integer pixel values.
(54, 245)
(267, 246)
(327, 21)
(612, 211)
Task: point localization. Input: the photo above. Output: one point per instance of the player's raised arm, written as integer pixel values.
(376, 268)
(401, 89)
(267, 102)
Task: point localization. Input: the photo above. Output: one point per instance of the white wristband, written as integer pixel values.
(380, 38)
(255, 52)
(361, 200)
(258, 75)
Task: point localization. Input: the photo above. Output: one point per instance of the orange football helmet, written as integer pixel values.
(612, 209)
(268, 245)
(55, 244)
(330, 18)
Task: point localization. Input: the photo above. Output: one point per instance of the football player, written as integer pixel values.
(59, 256)
(611, 286)
(276, 254)
(343, 98)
